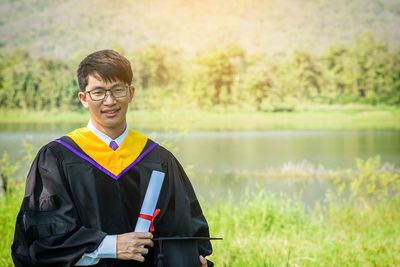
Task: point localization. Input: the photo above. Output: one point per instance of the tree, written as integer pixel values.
(214, 74)
(300, 76)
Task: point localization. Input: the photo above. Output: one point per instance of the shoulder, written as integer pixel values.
(51, 148)
(57, 148)
(163, 153)
(48, 161)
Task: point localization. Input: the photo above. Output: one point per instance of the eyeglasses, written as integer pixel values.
(118, 91)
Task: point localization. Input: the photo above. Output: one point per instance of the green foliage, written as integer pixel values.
(7, 169)
(213, 76)
(157, 74)
(371, 182)
(9, 207)
(35, 84)
(257, 85)
(300, 76)
(218, 78)
(364, 72)
(155, 66)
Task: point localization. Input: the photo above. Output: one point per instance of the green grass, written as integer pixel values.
(265, 230)
(9, 207)
(321, 118)
(360, 228)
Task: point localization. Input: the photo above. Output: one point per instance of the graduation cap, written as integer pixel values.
(170, 251)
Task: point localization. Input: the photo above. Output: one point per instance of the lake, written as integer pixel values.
(223, 163)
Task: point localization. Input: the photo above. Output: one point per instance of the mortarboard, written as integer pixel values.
(170, 251)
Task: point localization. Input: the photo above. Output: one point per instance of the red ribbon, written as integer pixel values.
(150, 218)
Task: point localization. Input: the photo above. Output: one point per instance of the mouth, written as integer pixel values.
(110, 112)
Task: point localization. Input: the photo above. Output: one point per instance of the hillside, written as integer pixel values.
(62, 28)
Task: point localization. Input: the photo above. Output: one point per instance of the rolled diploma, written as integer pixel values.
(150, 200)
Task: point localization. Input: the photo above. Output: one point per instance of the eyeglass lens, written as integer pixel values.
(100, 94)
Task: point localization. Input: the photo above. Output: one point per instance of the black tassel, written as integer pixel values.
(160, 260)
(160, 256)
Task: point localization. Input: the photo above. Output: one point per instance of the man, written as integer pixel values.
(84, 190)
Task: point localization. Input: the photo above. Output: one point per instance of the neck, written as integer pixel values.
(113, 132)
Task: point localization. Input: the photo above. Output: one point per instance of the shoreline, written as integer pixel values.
(369, 119)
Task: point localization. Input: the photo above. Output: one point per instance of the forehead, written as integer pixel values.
(95, 81)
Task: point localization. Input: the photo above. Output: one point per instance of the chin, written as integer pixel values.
(112, 124)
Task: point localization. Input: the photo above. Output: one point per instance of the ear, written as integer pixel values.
(131, 93)
(83, 99)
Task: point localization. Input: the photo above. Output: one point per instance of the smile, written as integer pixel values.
(110, 113)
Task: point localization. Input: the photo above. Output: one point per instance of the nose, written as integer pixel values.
(108, 99)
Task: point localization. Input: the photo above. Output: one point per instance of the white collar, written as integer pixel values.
(105, 138)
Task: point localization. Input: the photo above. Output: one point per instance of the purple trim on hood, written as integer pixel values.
(101, 168)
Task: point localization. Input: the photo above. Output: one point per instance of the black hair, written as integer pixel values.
(105, 64)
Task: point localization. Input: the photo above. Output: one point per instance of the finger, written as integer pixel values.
(144, 235)
(143, 251)
(203, 261)
(147, 242)
(137, 257)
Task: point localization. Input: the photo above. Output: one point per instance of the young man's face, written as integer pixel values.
(109, 113)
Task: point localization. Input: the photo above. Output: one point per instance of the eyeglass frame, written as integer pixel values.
(109, 90)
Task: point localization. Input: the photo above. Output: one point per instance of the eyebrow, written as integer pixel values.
(118, 84)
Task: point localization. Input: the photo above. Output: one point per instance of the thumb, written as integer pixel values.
(203, 261)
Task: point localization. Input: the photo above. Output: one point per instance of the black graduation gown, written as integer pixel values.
(70, 206)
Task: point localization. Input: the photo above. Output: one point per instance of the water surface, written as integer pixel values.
(214, 158)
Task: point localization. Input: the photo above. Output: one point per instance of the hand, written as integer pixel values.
(129, 245)
(203, 261)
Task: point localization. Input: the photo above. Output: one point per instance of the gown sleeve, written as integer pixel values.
(184, 216)
(48, 230)
(198, 221)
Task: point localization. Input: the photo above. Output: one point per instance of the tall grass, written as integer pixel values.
(359, 228)
(10, 203)
(265, 230)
